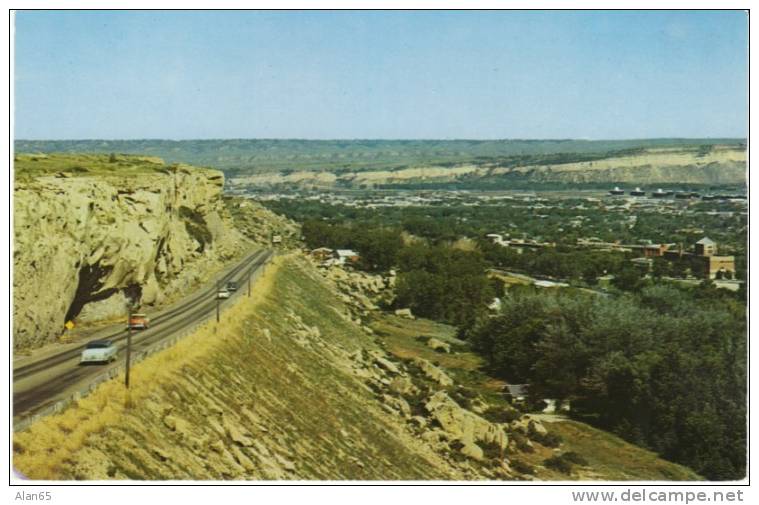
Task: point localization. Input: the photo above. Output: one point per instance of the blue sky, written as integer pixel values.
(321, 74)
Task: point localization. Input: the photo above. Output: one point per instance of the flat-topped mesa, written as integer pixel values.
(91, 231)
(721, 165)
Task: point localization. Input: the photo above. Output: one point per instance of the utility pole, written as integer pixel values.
(129, 344)
(218, 301)
(249, 281)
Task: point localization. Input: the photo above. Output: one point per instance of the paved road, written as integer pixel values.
(39, 383)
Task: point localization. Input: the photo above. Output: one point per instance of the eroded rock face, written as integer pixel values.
(721, 165)
(463, 425)
(438, 345)
(97, 240)
(433, 372)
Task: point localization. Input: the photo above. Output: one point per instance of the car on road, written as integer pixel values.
(231, 286)
(99, 351)
(139, 322)
(223, 294)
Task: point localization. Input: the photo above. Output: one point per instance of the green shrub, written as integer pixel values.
(559, 464)
(522, 467)
(456, 454)
(548, 440)
(500, 415)
(461, 398)
(467, 393)
(492, 450)
(417, 402)
(522, 442)
(575, 458)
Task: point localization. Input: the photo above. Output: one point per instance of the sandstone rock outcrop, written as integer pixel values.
(463, 425)
(433, 372)
(84, 245)
(438, 345)
(262, 225)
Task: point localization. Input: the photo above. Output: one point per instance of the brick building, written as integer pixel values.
(704, 261)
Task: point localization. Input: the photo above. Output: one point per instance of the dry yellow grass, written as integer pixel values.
(41, 450)
(290, 393)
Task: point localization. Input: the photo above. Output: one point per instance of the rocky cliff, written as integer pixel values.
(91, 232)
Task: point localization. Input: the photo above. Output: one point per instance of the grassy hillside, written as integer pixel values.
(279, 391)
(260, 397)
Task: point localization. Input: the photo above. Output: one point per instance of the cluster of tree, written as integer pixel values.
(378, 247)
(435, 281)
(664, 368)
(559, 262)
(444, 284)
(453, 220)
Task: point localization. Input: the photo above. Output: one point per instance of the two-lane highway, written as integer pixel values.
(47, 380)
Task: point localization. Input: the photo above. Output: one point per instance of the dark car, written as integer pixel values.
(231, 286)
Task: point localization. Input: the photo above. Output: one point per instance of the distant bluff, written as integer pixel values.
(91, 231)
(715, 165)
(444, 164)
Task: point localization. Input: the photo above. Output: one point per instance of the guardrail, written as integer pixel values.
(137, 356)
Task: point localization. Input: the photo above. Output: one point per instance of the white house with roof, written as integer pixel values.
(343, 256)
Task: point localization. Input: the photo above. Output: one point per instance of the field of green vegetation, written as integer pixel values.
(250, 156)
(448, 223)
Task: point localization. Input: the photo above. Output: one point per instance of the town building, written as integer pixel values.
(516, 394)
(655, 250)
(704, 260)
(344, 256)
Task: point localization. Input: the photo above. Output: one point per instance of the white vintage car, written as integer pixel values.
(223, 294)
(99, 351)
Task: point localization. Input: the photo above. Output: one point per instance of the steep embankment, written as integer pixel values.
(273, 393)
(294, 385)
(681, 165)
(91, 232)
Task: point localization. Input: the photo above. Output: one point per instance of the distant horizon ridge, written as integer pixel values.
(359, 139)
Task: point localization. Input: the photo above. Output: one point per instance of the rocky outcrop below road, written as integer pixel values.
(87, 241)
